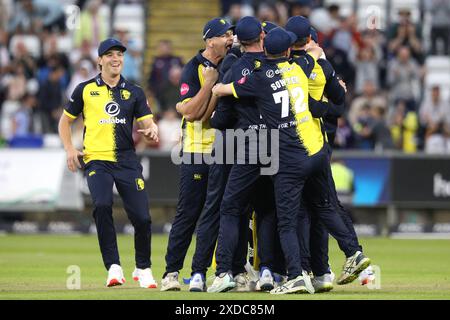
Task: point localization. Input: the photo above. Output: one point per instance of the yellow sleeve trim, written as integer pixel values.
(144, 117)
(185, 100)
(234, 91)
(69, 115)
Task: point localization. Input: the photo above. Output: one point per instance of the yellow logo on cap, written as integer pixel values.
(222, 21)
(264, 24)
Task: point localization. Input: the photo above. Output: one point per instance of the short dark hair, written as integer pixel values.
(277, 55)
(301, 42)
(250, 42)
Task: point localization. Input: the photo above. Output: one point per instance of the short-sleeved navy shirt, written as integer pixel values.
(280, 89)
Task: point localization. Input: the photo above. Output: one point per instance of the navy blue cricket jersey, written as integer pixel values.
(280, 89)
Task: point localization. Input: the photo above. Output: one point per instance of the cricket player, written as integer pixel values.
(198, 77)
(281, 92)
(109, 104)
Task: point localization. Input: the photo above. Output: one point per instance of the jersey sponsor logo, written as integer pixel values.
(242, 80)
(112, 109)
(113, 120)
(245, 72)
(270, 74)
(313, 76)
(140, 184)
(257, 64)
(184, 89)
(125, 94)
(94, 93)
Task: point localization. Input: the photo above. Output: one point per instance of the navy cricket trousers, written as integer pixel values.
(308, 178)
(319, 233)
(191, 199)
(127, 176)
(208, 224)
(243, 187)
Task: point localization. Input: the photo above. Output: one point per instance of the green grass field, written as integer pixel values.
(34, 267)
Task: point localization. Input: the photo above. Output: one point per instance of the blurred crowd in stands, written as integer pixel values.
(383, 62)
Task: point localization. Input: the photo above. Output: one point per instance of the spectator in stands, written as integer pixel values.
(34, 16)
(170, 93)
(268, 12)
(16, 82)
(334, 12)
(23, 56)
(345, 137)
(403, 77)
(23, 117)
(347, 37)
(169, 130)
(4, 54)
(370, 97)
(51, 100)
(300, 8)
(440, 24)
(52, 58)
(85, 71)
(405, 34)
(84, 52)
(404, 128)
(234, 14)
(161, 66)
(363, 129)
(433, 115)
(366, 64)
(434, 109)
(380, 132)
(93, 26)
(5, 8)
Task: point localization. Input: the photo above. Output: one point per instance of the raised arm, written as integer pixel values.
(194, 108)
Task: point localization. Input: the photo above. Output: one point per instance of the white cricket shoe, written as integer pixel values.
(353, 266)
(301, 284)
(222, 283)
(197, 283)
(115, 276)
(170, 282)
(266, 281)
(145, 278)
(323, 283)
(242, 281)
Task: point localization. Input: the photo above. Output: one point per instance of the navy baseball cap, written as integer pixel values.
(278, 40)
(267, 26)
(108, 44)
(248, 28)
(314, 35)
(300, 26)
(215, 28)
